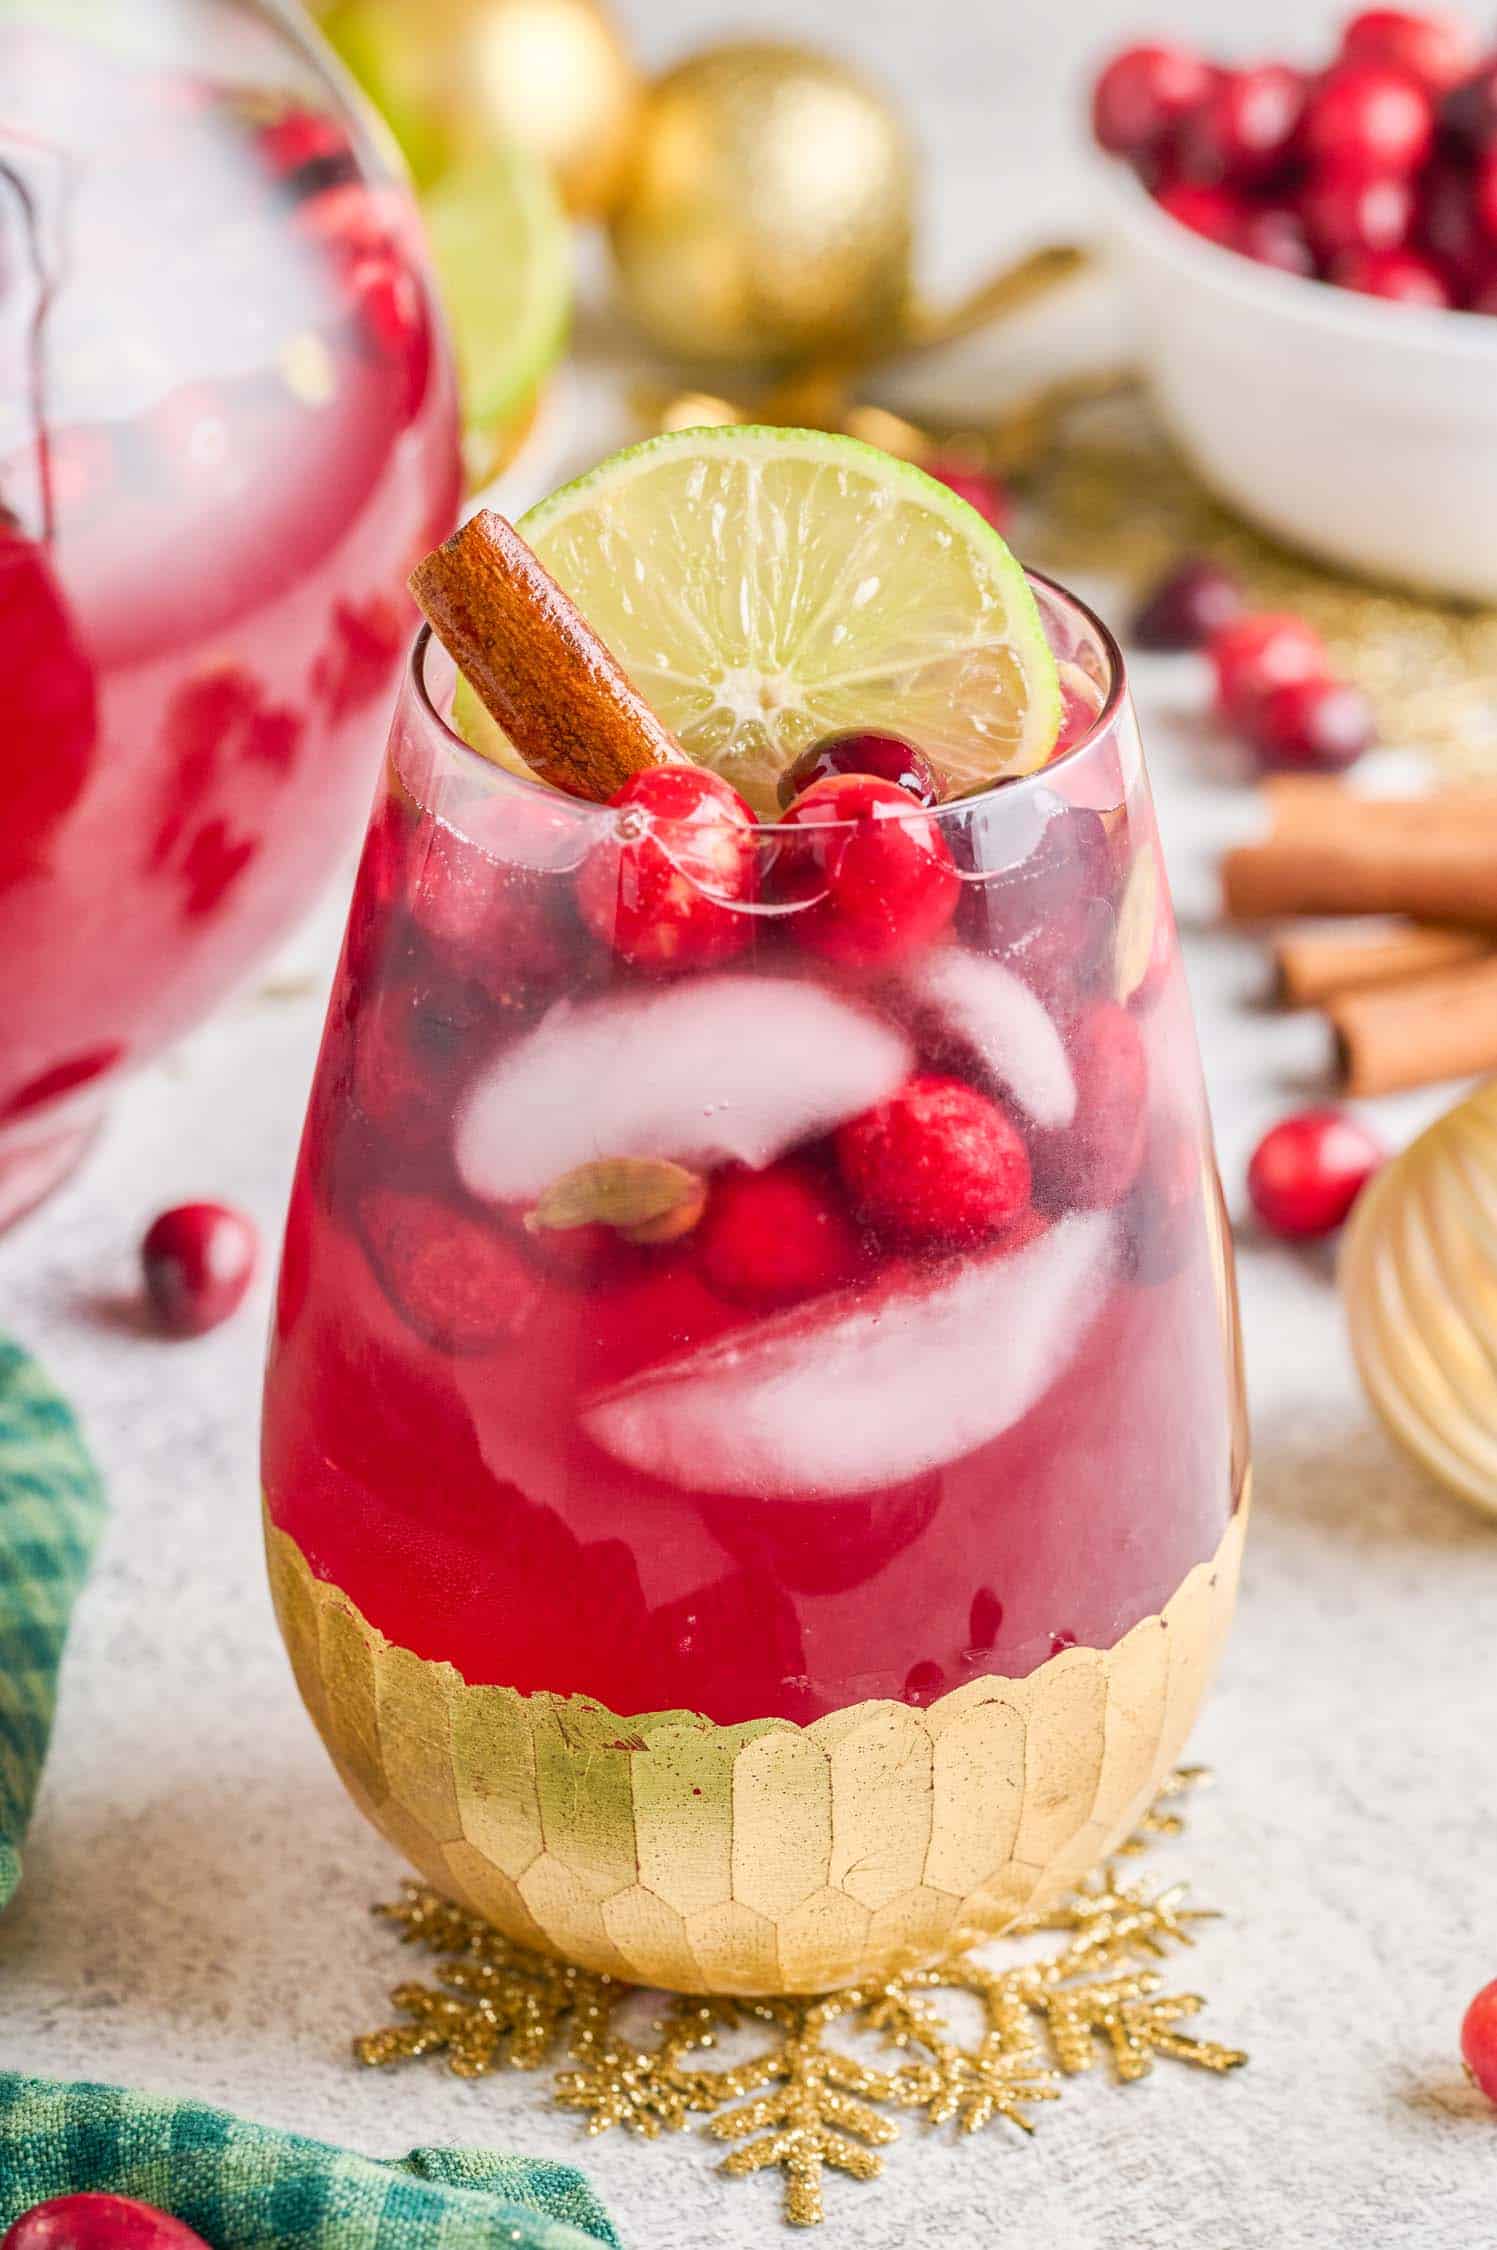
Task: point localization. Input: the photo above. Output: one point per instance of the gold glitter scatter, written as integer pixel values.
(814, 2089)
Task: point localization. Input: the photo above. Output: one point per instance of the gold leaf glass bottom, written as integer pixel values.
(666, 1850)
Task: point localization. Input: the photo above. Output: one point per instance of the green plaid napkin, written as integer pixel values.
(247, 2187)
(51, 1507)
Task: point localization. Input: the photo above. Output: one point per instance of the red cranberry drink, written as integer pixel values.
(228, 429)
(762, 1263)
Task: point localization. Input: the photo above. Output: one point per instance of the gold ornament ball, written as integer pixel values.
(769, 211)
(454, 76)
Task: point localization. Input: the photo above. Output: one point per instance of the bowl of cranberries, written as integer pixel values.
(1310, 254)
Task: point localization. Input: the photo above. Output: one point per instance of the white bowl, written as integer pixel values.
(1362, 431)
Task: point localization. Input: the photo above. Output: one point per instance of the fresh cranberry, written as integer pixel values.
(1365, 117)
(1308, 1170)
(486, 919)
(1468, 114)
(388, 299)
(886, 756)
(1051, 916)
(1437, 47)
(1347, 210)
(1450, 225)
(1273, 235)
(1164, 1208)
(1478, 2041)
(1485, 196)
(1402, 276)
(455, 1279)
(410, 1048)
(307, 142)
(1260, 651)
(1207, 210)
(667, 886)
(938, 1163)
(1244, 130)
(1190, 603)
(198, 1260)
(979, 490)
(774, 1237)
(876, 872)
(1315, 726)
(99, 2222)
(1094, 1161)
(1143, 94)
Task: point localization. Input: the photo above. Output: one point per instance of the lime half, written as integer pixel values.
(503, 259)
(764, 588)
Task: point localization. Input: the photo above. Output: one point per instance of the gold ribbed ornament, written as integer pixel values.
(769, 209)
(1419, 1279)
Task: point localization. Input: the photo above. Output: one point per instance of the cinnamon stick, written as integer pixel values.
(1443, 1025)
(1330, 851)
(535, 663)
(1312, 966)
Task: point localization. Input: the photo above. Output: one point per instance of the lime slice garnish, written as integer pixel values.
(764, 588)
(504, 264)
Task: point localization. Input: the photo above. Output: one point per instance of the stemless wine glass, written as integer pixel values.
(228, 426)
(715, 1546)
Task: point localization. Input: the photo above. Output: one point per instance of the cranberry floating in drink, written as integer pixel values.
(753, 1454)
(228, 426)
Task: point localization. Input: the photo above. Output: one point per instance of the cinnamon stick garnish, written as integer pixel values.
(1408, 1034)
(535, 663)
(1313, 966)
(1330, 851)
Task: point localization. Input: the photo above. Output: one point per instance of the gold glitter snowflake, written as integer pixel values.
(803, 2099)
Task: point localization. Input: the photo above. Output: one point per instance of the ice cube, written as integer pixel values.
(1003, 1026)
(866, 1388)
(718, 1069)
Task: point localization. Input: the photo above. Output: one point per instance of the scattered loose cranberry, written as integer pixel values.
(1260, 651)
(1308, 1170)
(1210, 211)
(877, 873)
(1400, 275)
(1187, 606)
(1094, 1161)
(886, 756)
(453, 1277)
(198, 1260)
(667, 886)
(938, 1163)
(1368, 118)
(1478, 2041)
(977, 488)
(776, 1236)
(1437, 47)
(1347, 211)
(1244, 130)
(1274, 235)
(1315, 726)
(1142, 96)
(99, 2222)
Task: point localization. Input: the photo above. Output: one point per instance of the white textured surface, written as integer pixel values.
(193, 1912)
